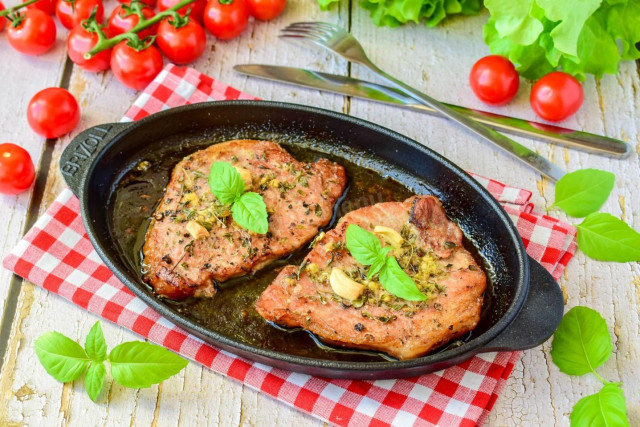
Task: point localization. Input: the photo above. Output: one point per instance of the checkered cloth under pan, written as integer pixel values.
(57, 255)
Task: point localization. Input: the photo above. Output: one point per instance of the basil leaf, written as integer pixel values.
(397, 282)
(605, 408)
(141, 364)
(225, 182)
(95, 344)
(250, 212)
(584, 191)
(363, 245)
(604, 237)
(94, 380)
(375, 267)
(582, 342)
(62, 358)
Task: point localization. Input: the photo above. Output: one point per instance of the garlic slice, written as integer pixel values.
(196, 230)
(389, 235)
(344, 285)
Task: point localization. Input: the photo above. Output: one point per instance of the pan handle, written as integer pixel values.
(78, 156)
(539, 317)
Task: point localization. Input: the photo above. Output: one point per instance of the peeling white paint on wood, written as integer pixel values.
(434, 60)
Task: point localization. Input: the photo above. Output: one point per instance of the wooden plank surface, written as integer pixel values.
(434, 60)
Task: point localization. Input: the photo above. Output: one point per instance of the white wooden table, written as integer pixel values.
(434, 60)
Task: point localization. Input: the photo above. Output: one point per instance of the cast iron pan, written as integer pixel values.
(528, 304)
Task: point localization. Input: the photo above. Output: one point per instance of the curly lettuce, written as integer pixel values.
(578, 36)
(392, 13)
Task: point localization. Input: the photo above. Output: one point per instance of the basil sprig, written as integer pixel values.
(247, 209)
(580, 345)
(367, 250)
(133, 364)
(601, 236)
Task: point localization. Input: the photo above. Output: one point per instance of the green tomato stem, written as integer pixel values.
(104, 43)
(9, 10)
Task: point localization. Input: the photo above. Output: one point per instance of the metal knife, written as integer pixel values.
(350, 86)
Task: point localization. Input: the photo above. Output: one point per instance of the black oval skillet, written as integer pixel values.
(528, 303)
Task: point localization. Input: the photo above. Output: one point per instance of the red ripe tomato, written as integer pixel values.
(266, 10)
(3, 21)
(47, 6)
(81, 41)
(16, 169)
(53, 112)
(181, 45)
(72, 12)
(123, 20)
(494, 80)
(556, 96)
(33, 33)
(197, 8)
(135, 69)
(226, 19)
(150, 3)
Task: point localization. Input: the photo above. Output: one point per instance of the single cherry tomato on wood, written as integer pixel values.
(81, 41)
(123, 19)
(181, 45)
(494, 80)
(53, 112)
(3, 21)
(197, 8)
(33, 32)
(226, 19)
(556, 96)
(72, 12)
(47, 6)
(266, 10)
(135, 68)
(16, 169)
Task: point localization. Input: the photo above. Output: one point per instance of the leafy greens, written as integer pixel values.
(579, 36)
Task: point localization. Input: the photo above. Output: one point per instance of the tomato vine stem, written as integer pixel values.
(12, 9)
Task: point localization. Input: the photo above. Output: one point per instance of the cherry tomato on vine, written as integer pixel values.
(266, 10)
(123, 19)
(16, 169)
(556, 96)
(226, 19)
(81, 41)
(197, 8)
(33, 32)
(72, 12)
(494, 80)
(3, 21)
(150, 3)
(135, 68)
(53, 112)
(181, 45)
(47, 6)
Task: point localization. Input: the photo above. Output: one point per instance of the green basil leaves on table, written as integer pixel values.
(604, 237)
(583, 192)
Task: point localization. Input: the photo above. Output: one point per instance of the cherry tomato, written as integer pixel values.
(16, 169)
(494, 80)
(3, 21)
(266, 10)
(53, 112)
(135, 69)
(34, 32)
(226, 20)
(123, 20)
(47, 6)
(81, 41)
(197, 8)
(556, 96)
(72, 12)
(181, 45)
(150, 3)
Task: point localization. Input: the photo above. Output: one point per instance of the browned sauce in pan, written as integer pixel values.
(231, 311)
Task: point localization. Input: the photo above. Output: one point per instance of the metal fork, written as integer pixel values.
(344, 44)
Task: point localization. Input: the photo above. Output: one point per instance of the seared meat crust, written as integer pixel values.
(299, 198)
(432, 253)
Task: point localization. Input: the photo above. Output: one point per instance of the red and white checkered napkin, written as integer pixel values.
(57, 255)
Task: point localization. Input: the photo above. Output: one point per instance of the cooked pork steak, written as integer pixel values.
(428, 247)
(192, 241)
